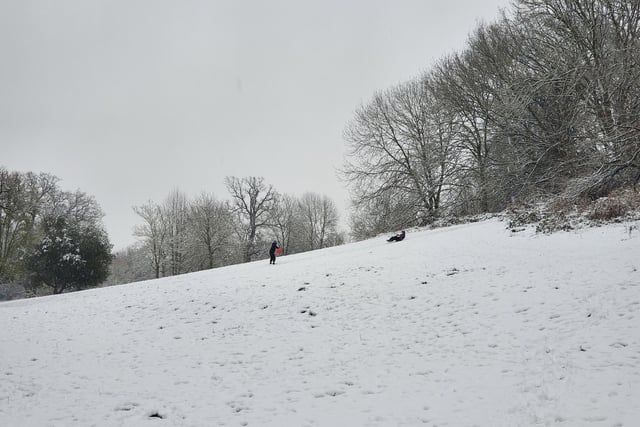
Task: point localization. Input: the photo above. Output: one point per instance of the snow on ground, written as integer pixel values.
(471, 325)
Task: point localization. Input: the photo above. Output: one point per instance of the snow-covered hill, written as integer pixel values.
(470, 325)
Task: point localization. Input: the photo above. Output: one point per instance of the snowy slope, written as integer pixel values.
(470, 325)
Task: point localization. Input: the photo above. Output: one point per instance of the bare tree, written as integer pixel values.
(309, 208)
(399, 144)
(283, 221)
(318, 219)
(328, 221)
(176, 213)
(77, 207)
(465, 88)
(210, 228)
(155, 234)
(252, 201)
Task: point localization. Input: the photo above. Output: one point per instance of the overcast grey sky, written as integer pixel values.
(129, 99)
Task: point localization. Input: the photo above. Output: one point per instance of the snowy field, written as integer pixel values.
(470, 325)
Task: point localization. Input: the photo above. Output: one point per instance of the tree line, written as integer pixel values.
(543, 102)
(50, 238)
(54, 241)
(182, 234)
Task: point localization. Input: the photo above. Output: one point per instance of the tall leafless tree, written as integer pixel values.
(318, 219)
(252, 201)
(176, 213)
(155, 234)
(284, 220)
(210, 231)
(400, 144)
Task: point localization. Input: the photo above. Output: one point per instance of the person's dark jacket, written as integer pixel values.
(274, 246)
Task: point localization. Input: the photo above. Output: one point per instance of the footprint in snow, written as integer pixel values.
(332, 393)
(619, 344)
(126, 407)
(156, 414)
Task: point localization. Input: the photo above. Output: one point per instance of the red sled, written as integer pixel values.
(279, 251)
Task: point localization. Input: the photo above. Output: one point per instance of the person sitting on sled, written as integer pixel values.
(272, 252)
(397, 238)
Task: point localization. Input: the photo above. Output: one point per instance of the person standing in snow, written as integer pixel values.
(397, 237)
(272, 252)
